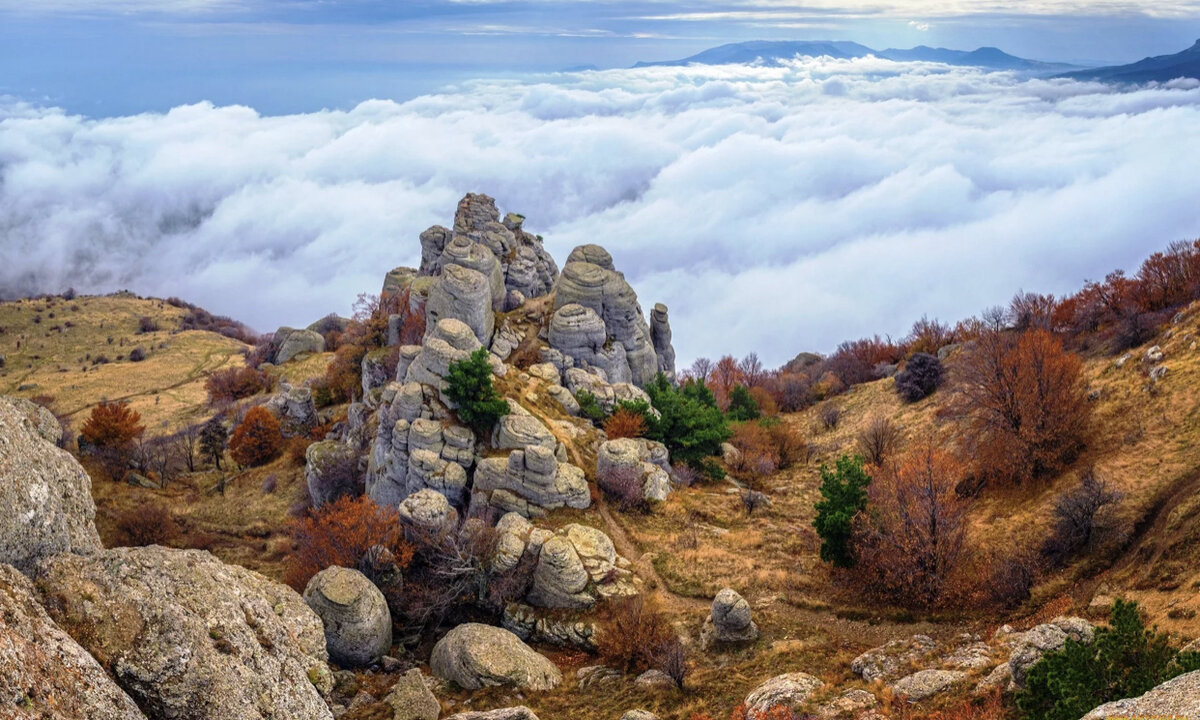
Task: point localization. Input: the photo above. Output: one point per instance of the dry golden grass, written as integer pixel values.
(167, 388)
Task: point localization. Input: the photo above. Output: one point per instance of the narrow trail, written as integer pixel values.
(197, 371)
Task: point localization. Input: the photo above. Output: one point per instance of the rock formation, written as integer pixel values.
(190, 638)
(530, 482)
(45, 493)
(295, 409)
(729, 623)
(1176, 698)
(411, 699)
(634, 460)
(44, 672)
(790, 690)
(628, 353)
(288, 342)
(462, 294)
(358, 624)
(428, 511)
(660, 335)
(331, 471)
(474, 656)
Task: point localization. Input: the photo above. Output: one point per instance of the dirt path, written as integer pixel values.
(197, 371)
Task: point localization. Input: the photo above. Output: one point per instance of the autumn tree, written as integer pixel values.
(725, 375)
(257, 440)
(912, 542)
(1025, 403)
(341, 533)
(110, 434)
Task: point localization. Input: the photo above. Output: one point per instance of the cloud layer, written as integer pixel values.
(773, 209)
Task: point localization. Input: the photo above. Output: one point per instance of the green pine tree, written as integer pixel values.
(469, 385)
(742, 406)
(844, 495)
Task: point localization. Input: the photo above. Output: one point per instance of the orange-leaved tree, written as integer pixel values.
(257, 440)
(112, 425)
(340, 533)
(1025, 402)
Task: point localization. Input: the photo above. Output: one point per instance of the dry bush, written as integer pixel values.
(236, 383)
(756, 448)
(632, 633)
(297, 449)
(150, 524)
(257, 440)
(340, 533)
(879, 440)
(922, 374)
(829, 415)
(790, 446)
(988, 706)
(624, 486)
(1079, 518)
(624, 423)
(794, 392)
(764, 400)
(1025, 403)
(928, 336)
(912, 542)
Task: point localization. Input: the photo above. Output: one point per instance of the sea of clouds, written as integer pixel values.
(774, 209)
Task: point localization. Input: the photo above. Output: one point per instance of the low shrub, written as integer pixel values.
(257, 440)
(236, 383)
(921, 376)
(625, 423)
(879, 440)
(632, 634)
(149, 524)
(341, 533)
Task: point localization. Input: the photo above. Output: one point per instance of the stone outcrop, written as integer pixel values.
(627, 460)
(289, 342)
(428, 511)
(593, 380)
(331, 471)
(1176, 698)
(628, 352)
(448, 341)
(45, 493)
(729, 622)
(660, 335)
(790, 690)
(474, 656)
(519, 431)
(530, 482)
(465, 295)
(40, 418)
(925, 684)
(513, 713)
(1028, 647)
(888, 662)
(190, 638)
(413, 451)
(43, 672)
(411, 699)
(358, 624)
(294, 407)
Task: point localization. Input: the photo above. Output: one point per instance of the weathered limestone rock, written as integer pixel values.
(1176, 698)
(474, 656)
(548, 627)
(331, 471)
(428, 469)
(655, 680)
(790, 690)
(519, 431)
(927, 683)
(374, 371)
(46, 674)
(449, 341)
(634, 460)
(729, 623)
(411, 699)
(428, 511)
(530, 482)
(639, 715)
(513, 713)
(660, 336)
(1028, 647)
(462, 294)
(190, 638)
(358, 624)
(39, 417)
(560, 578)
(290, 342)
(888, 661)
(46, 495)
(294, 407)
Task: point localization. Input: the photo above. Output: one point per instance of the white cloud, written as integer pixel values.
(919, 25)
(774, 209)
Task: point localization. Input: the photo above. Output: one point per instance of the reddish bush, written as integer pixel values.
(148, 524)
(632, 634)
(928, 336)
(257, 440)
(112, 425)
(236, 383)
(764, 400)
(1025, 403)
(724, 377)
(341, 533)
(624, 423)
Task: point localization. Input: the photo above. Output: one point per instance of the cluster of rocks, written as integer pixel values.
(295, 409)
(643, 463)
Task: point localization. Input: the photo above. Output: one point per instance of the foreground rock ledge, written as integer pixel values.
(190, 638)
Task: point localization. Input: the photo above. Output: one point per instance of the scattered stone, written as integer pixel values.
(474, 656)
(358, 624)
(1158, 373)
(513, 713)
(1177, 698)
(212, 641)
(1120, 363)
(790, 690)
(848, 704)
(411, 699)
(655, 680)
(1154, 355)
(45, 493)
(593, 676)
(639, 715)
(888, 661)
(729, 623)
(927, 683)
(46, 673)
(998, 678)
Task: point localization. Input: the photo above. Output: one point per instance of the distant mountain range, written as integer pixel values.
(773, 52)
(1163, 68)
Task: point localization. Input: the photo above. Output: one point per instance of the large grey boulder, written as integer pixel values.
(1176, 698)
(295, 408)
(462, 294)
(448, 341)
(43, 672)
(629, 460)
(45, 493)
(888, 662)
(290, 342)
(358, 624)
(474, 656)
(790, 690)
(428, 511)
(1030, 646)
(729, 622)
(463, 251)
(560, 579)
(190, 638)
(331, 471)
(520, 431)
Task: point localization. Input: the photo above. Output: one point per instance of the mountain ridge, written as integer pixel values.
(1158, 68)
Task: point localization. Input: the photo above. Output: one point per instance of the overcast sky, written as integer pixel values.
(115, 57)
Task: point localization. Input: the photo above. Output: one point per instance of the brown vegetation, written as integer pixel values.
(341, 533)
(257, 440)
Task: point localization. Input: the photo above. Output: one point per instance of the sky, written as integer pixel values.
(270, 161)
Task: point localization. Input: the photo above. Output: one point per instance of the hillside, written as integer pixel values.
(1161, 68)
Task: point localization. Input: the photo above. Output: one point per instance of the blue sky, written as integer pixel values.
(115, 57)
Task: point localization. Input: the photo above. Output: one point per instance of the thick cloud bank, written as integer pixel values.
(773, 209)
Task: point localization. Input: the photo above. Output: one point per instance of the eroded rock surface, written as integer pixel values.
(474, 656)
